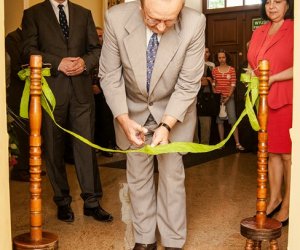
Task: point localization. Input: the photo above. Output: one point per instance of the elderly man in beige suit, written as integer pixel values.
(150, 68)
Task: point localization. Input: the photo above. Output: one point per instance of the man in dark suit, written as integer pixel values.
(64, 34)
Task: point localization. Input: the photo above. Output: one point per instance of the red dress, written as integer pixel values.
(278, 50)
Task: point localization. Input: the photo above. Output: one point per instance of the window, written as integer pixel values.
(216, 4)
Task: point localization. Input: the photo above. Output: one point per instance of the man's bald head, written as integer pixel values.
(161, 15)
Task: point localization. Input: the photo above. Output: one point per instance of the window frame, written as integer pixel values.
(228, 9)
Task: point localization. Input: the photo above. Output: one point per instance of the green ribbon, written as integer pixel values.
(47, 95)
(48, 103)
(252, 98)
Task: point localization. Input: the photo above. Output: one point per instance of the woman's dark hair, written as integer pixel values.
(288, 15)
(227, 55)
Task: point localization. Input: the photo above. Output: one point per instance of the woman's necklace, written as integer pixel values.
(224, 70)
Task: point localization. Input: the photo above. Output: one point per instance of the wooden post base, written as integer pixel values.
(49, 241)
(255, 234)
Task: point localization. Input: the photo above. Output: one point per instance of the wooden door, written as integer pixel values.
(230, 31)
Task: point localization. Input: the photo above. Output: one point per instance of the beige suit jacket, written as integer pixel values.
(176, 74)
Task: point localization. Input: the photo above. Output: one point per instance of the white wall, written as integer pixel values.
(5, 223)
(293, 239)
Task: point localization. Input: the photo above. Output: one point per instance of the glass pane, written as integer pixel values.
(250, 2)
(231, 3)
(215, 4)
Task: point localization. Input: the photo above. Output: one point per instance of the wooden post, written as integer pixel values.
(36, 239)
(259, 228)
(262, 155)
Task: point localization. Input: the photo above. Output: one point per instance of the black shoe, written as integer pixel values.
(139, 246)
(98, 213)
(285, 222)
(65, 213)
(107, 154)
(276, 209)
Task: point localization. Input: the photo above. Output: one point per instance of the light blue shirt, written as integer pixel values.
(149, 33)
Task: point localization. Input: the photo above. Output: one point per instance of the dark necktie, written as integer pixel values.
(151, 54)
(63, 21)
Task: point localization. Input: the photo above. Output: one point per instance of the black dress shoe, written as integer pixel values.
(65, 213)
(285, 222)
(139, 246)
(98, 213)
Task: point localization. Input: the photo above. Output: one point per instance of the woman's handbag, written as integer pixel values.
(208, 103)
(223, 112)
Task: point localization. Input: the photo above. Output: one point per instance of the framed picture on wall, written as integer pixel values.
(113, 2)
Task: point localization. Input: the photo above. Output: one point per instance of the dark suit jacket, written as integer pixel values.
(13, 46)
(43, 36)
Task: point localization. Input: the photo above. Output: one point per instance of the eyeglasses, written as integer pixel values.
(153, 22)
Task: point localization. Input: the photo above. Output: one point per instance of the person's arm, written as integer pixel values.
(69, 65)
(214, 80)
(89, 60)
(93, 49)
(30, 45)
(281, 76)
(113, 86)
(209, 75)
(135, 132)
(205, 80)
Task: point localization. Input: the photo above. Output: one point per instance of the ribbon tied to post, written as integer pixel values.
(48, 103)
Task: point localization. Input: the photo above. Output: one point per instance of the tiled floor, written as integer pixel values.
(220, 194)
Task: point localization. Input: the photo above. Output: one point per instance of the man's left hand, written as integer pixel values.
(78, 66)
(160, 136)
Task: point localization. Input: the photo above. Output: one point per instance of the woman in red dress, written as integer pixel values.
(274, 42)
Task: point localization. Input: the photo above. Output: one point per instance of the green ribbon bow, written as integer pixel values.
(47, 95)
(48, 103)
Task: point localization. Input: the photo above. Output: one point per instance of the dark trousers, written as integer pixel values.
(80, 117)
(104, 128)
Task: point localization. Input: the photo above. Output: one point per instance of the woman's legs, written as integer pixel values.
(221, 131)
(275, 172)
(230, 106)
(236, 136)
(283, 214)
